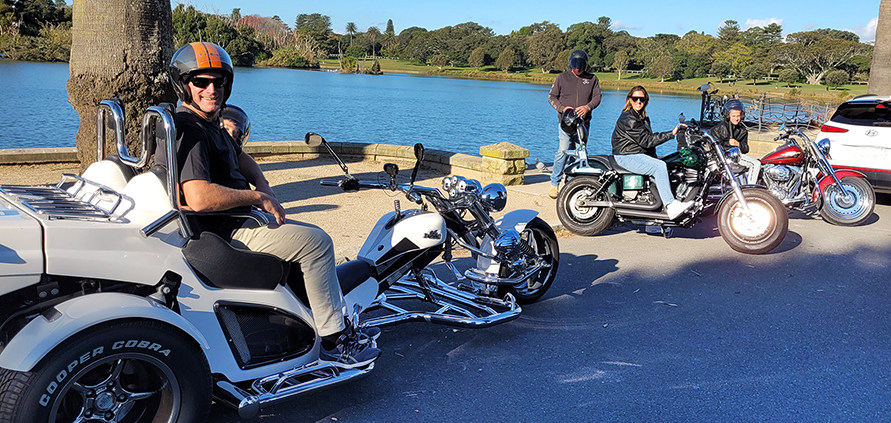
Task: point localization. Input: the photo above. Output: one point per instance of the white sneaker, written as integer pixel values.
(675, 208)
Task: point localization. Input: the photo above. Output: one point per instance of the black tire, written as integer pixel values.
(134, 372)
(538, 235)
(760, 235)
(586, 221)
(842, 210)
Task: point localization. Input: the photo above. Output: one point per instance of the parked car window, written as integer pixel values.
(863, 114)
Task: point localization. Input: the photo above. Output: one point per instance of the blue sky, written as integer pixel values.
(641, 18)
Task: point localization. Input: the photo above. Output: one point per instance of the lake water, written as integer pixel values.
(458, 115)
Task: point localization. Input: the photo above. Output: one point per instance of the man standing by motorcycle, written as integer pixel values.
(216, 175)
(731, 132)
(574, 91)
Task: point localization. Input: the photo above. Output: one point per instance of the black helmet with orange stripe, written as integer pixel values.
(195, 58)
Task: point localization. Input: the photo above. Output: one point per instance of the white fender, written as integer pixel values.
(516, 219)
(49, 330)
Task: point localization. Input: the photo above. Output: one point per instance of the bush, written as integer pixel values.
(836, 78)
(789, 76)
(287, 57)
(356, 51)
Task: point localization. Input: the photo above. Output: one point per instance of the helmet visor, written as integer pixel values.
(578, 63)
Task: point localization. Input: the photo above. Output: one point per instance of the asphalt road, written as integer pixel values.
(640, 328)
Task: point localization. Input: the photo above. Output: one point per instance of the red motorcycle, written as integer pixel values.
(799, 174)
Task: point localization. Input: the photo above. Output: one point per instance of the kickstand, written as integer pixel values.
(425, 286)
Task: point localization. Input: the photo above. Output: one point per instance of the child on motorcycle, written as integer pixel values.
(236, 122)
(731, 132)
(634, 148)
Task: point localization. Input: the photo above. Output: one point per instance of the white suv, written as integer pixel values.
(860, 137)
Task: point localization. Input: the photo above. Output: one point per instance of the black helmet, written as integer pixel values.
(578, 59)
(199, 57)
(733, 104)
(569, 121)
(237, 115)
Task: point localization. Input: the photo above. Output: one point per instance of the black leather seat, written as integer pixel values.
(221, 265)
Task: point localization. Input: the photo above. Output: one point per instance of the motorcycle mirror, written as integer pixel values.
(313, 139)
(391, 169)
(419, 152)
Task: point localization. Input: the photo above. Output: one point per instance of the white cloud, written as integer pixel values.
(751, 23)
(867, 33)
(621, 25)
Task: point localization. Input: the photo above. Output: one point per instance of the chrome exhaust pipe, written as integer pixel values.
(246, 404)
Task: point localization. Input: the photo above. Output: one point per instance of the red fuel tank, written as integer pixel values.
(789, 155)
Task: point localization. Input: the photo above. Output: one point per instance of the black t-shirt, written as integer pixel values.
(205, 151)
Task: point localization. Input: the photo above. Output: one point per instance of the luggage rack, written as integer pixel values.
(57, 202)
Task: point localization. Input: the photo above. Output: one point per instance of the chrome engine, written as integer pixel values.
(782, 181)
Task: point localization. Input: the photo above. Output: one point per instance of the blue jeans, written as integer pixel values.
(567, 142)
(646, 165)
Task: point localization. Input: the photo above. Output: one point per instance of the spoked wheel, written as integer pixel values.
(763, 232)
(851, 209)
(136, 372)
(579, 218)
(539, 236)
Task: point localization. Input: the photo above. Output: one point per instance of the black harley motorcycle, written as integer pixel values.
(599, 191)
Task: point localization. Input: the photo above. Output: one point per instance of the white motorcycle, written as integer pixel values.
(114, 311)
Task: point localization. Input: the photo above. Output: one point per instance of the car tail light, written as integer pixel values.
(829, 128)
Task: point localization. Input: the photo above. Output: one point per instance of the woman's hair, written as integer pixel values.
(643, 112)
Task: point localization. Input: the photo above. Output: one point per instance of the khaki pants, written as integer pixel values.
(313, 249)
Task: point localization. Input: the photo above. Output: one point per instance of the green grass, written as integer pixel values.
(609, 80)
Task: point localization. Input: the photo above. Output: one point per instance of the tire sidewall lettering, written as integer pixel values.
(73, 367)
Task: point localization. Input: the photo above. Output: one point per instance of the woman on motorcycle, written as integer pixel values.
(634, 148)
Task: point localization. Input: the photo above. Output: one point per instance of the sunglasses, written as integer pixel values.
(204, 82)
(639, 99)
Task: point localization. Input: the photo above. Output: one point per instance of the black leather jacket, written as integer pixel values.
(634, 136)
(725, 130)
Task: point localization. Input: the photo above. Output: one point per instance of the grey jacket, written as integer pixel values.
(574, 91)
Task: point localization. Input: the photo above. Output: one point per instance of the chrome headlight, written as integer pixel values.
(494, 197)
(447, 183)
(823, 145)
(732, 154)
(471, 185)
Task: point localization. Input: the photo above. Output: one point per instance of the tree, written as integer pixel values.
(662, 67)
(836, 78)
(880, 71)
(351, 30)
(755, 71)
(813, 53)
(738, 55)
(315, 25)
(729, 32)
(506, 59)
(118, 49)
(544, 46)
(620, 62)
(720, 69)
(373, 32)
(439, 60)
(789, 76)
(356, 51)
(478, 57)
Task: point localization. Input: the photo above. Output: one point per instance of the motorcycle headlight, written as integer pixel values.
(732, 155)
(447, 183)
(473, 186)
(823, 145)
(494, 197)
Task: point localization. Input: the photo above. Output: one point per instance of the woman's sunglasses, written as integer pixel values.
(639, 99)
(204, 82)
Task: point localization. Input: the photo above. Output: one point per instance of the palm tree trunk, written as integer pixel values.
(880, 71)
(119, 48)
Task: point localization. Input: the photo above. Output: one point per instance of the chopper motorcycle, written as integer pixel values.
(114, 310)
(599, 192)
(798, 173)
